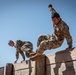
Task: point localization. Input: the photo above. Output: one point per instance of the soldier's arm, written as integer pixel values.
(17, 56)
(68, 38)
(51, 9)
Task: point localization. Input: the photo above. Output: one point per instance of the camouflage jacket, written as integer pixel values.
(61, 30)
(19, 44)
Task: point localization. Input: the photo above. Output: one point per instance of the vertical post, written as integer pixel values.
(40, 66)
(1, 70)
(9, 69)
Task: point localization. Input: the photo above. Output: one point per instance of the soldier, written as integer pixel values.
(21, 47)
(61, 31)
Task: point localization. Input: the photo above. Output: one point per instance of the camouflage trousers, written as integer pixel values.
(28, 53)
(46, 43)
(28, 49)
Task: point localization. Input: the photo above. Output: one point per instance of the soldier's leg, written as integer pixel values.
(27, 55)
(27, 47)
(42, 38)
(30, 53)
(45, 45)
(41, 48)
(48, 45)
(23, 56)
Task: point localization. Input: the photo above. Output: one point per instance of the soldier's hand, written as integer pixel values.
(50, 5)
(68, 49)
(22, 61)
(15, 61)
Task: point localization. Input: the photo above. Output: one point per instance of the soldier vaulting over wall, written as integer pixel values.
(61, 32)
(21, 47)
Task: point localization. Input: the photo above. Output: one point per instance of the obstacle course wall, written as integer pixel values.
(59, 63)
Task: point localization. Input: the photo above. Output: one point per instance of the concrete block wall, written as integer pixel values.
(25, 68)
(30, 67)
(59, 63)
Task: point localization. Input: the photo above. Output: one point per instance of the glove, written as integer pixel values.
(49, 5)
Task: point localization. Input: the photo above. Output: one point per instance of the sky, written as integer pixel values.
(27, 19)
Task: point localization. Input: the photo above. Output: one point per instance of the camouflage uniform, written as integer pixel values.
(23, 46)
(55, 40)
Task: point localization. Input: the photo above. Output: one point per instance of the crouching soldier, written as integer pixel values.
(61, 32)
(21, 47)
